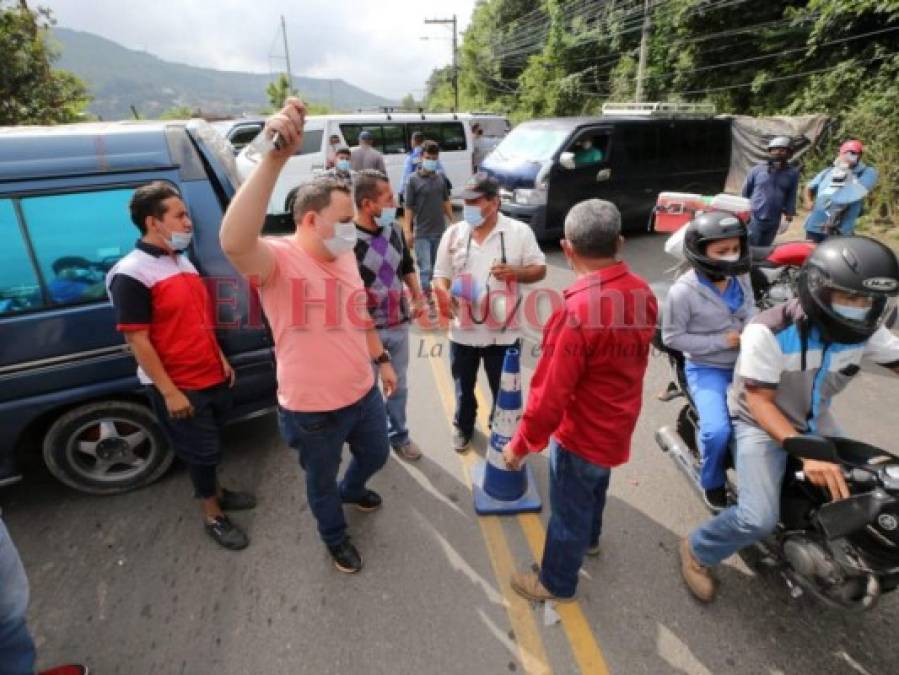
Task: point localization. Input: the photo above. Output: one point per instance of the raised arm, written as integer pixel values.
(243, 221)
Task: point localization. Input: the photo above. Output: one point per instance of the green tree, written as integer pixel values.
(279, 91)
(31, 90)
(408, 102)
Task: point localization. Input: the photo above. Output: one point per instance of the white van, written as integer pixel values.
(391, 132)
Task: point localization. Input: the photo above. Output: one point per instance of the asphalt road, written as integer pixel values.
(130, 584)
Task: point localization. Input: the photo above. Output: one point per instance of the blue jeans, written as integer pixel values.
(425, 257)
(762, 232)
(318, 437)
(708, 387)
(816, 237)
(16, 647)
(761, 463)
(577, 496)
(464, 363)
(396, 341)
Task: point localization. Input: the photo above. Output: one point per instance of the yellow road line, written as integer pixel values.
(532, 653)
(584, 645)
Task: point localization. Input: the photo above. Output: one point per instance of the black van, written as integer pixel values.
(546, 166)
(67, 380)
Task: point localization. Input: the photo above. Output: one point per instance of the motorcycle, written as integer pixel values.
(775, 271)
(845, 553)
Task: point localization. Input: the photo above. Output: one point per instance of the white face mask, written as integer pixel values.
(850, 312)
(731, 257)
(344, 238)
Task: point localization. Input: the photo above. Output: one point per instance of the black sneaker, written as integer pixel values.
(370, 501)
(346, 558)
(716, 499)
(227, 534)
(232, 500)
(461, 440)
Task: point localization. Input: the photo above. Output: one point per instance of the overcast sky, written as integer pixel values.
(373, 44)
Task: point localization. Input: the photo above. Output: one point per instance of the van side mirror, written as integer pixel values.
(812, 447)
(566, 160)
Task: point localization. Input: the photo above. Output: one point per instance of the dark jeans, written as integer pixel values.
(577, 496)
(196, 440)
(318, 437)
(816, 237)
(762, 232)
(464, 363)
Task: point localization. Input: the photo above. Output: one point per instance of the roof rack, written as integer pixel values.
(660, 109)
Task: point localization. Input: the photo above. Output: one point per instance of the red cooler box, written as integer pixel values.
(676, 209)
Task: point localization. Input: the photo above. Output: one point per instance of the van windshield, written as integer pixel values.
(532, 143)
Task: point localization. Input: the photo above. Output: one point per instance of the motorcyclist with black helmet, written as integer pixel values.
(793, 359)
(705, 311)
(772, 189)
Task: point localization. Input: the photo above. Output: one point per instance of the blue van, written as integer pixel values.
(68, 385)
(546, 166)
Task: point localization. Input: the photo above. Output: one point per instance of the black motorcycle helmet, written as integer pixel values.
(713, 226)
(856, 265)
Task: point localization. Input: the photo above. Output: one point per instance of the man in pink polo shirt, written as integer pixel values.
(325, 342)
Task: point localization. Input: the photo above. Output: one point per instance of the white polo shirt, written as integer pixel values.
(460, 254)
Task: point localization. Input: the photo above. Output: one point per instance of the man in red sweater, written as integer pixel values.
(585, 395)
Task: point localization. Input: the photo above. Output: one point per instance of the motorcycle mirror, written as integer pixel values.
(811, 447)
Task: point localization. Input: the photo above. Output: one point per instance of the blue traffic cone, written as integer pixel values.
(497, 490)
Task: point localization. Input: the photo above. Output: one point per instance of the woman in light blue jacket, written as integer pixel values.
(704, 314)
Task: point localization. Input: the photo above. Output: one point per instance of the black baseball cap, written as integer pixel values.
(479, 185)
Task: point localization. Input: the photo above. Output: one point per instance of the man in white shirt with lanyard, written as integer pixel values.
(481, 263)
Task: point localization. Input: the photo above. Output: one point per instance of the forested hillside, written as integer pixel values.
(566, 57)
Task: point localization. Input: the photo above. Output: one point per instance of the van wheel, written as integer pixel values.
(107, 447)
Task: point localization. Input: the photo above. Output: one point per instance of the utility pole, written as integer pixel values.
(644, 48)
(286, 56)
(454, 24)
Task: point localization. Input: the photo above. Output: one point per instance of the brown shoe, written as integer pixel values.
(408, 451)
(697, 577)
(527, 585)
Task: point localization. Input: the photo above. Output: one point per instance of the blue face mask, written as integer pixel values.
(472, 215)
(429, 165)
(387, 217)
(343, 165)
(850, 312)
(178, 241)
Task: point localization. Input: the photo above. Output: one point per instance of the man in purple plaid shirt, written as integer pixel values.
(385, 265)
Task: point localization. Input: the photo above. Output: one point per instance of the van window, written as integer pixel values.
(243, 134)
(19, 287)
(312, 142)
(590, 148)
(77, 238)
(389, 139)
(534, 142)
(450, 136)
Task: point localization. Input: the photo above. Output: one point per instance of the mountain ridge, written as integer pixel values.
(119, 77)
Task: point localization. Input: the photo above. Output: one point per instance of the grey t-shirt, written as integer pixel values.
(425, 196)
(366, 157)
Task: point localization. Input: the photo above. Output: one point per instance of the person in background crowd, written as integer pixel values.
(495, 254)
(343, 166)
(365, 156)
(771, 188)
(478, 151)
(427, 210)
(587, 153)
(843, 185)
(17, 653)
(413, 161)
(333, 147)
(385, 264)
(327, 393)
(163, 308)
(586, 394)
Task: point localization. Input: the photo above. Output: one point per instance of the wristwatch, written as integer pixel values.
(383, 358)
